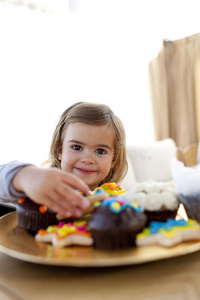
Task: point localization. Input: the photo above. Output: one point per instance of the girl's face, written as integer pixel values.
(88, 152)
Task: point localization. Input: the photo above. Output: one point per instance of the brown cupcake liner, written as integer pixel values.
(34, 222)
(160, 216)
(113, 240)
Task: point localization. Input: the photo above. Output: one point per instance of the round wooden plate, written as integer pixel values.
(19, 244)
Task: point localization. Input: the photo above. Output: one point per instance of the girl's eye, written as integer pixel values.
(101, 151)
(77, 148)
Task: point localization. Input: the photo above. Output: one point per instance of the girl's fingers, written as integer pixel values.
(70, 196)
(67, 199)
(75, 182)
(55, 189)
(67, 210)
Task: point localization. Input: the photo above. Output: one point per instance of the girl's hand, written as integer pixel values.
(54, 188)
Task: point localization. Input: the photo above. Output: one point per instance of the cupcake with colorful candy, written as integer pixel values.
(112, 189)
(115, 222)
(32, 216)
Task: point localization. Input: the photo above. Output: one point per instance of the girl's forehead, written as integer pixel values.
(82, 131)
(82, 127)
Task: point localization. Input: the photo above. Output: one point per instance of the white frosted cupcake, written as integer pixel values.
(158, 201)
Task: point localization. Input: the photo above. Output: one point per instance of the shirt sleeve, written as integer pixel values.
(7, 172)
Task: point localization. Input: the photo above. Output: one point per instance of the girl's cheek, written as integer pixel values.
(72, 155)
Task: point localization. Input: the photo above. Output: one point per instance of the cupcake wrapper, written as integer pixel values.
(34, 222)
(192, 206)
(112, 241)
(160, 216)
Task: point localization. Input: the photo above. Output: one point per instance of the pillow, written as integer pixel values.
(152, 161)
(129, 180)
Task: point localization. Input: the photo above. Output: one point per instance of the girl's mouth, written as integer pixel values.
(85, 171)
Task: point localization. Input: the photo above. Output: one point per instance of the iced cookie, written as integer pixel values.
(62, 235)
(169, 233)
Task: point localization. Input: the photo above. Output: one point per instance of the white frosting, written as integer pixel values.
(139, 198)
(153, 201)
(153, 196)
(153, 187)
(169, 200)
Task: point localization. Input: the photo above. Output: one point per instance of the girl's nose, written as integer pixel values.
(87, 157)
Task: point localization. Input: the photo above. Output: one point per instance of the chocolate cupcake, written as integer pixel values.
(32, 216)
(186, 181)
(191, 205)
(115, 222)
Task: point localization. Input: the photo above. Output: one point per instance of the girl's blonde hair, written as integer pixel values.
(92, 114)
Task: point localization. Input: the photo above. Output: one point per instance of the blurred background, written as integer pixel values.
(55, 53)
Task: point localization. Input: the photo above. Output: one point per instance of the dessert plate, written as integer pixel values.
(18, 243)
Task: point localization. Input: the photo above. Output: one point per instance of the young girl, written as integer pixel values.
(87, 149)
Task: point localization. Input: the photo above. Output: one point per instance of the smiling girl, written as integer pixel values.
(87, 149)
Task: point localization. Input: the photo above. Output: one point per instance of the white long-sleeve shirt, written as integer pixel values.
(7, 172)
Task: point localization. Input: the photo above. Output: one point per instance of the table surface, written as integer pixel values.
(174, 278)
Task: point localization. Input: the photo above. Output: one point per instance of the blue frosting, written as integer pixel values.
(117, 204)
(169, 224)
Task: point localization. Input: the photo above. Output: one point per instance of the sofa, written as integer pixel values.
(149, 161)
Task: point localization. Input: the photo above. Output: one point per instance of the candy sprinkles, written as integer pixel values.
(61, 235)
(111, 188)
(118, 204)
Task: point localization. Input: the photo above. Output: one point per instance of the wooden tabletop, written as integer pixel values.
(175, 278)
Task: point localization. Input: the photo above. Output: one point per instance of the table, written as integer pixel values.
(176, 278)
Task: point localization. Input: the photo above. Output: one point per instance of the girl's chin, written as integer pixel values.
(89, 181)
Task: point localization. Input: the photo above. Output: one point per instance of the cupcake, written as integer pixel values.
(191, 205)
(112, 189)
(157, 200)
(187, 185)
(32, 216)
(115, 222)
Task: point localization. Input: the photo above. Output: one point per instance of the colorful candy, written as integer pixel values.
(118, 204)
(111, 188)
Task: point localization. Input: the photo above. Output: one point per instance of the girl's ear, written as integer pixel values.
(113, 162)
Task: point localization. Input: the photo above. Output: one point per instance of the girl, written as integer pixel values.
(87, 149)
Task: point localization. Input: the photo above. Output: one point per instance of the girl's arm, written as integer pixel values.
(7, 172)
(51, 187)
